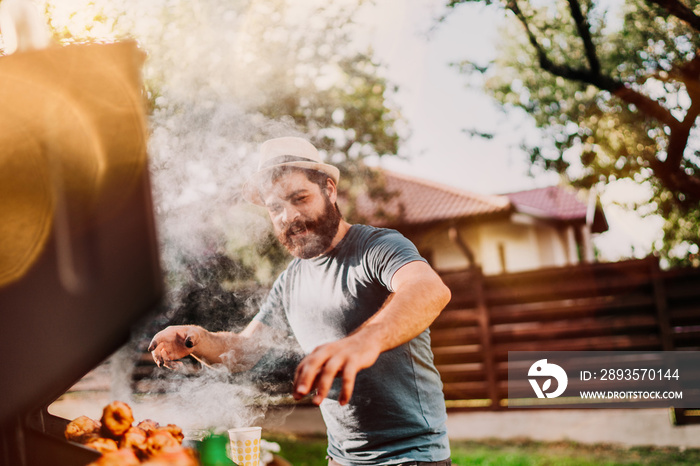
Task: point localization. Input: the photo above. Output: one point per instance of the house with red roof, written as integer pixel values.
(455, 229)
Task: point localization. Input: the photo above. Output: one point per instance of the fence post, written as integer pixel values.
(484, 322)
(661, 306)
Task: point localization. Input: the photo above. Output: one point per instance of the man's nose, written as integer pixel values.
(289, 214)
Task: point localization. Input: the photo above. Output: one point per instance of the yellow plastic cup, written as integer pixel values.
(245, 445)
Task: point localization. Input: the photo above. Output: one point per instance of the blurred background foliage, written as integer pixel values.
(614, 87)
(219, 78)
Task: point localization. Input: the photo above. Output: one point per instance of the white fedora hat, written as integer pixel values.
(286, 152)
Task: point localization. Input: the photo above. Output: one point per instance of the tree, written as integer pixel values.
(221, 77)
(615, 88)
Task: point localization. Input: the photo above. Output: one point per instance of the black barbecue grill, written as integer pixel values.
(78, 252)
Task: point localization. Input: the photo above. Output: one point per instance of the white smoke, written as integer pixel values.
(199, 160)
(210, 401)
(208, 71)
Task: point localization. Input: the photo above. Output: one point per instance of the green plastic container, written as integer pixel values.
(212, 451)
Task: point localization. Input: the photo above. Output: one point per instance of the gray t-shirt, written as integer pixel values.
(397, 410)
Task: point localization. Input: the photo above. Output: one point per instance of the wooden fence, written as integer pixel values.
(623, 306)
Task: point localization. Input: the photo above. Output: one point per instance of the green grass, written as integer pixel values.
(301, 451)
(311, 451)
(530, 453)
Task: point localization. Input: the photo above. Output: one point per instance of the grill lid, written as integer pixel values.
(78, 255)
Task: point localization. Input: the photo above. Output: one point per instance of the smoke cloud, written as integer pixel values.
(205, 398)
(211, 67)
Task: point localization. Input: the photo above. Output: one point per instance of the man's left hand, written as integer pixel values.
(345, 357)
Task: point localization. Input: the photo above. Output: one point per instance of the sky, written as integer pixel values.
(437, 102)
(438, 106)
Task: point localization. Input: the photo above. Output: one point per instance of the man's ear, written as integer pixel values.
(331, 190)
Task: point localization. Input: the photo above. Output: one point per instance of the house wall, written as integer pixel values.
(552, 245)
(443, 253)
(513, 245)
(509, 247)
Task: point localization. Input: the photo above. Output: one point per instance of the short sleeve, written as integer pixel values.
(272, 310)
(386, 253)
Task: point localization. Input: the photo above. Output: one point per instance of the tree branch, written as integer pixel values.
(678, 139)
(680, 11)
(669, 171)
(689, 74)
(621, 90)
(584, 33)
(644, 104)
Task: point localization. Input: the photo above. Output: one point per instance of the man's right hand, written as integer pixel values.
(175, 342)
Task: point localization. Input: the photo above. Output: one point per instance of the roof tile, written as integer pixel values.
(418, 201)
(551, 202)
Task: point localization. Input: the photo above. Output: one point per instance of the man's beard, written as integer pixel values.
(319, 236)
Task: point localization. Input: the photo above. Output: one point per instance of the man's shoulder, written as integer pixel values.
(378, 244)
(369, 233)
(369, 237)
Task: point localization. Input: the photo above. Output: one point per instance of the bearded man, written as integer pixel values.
(359, 301)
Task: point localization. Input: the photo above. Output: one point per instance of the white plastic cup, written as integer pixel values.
(245, 445)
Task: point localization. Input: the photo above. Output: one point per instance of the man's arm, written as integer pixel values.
(238, 351)
(418, 298)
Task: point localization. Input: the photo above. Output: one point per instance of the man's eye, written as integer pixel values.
(299, 199)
